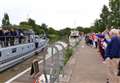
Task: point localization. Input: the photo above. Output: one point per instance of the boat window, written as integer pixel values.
(0, 54)
(13, 50)
(22, 48)
(28, 46)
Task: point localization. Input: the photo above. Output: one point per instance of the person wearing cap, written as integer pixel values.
(94, 40)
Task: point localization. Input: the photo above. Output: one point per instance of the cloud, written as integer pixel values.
(56, 13)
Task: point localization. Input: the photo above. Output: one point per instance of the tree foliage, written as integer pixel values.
(44, 27)
(5, 20)
(105, 17)
(115, 12)
(65, 32)
(110, 16)
(31, 24)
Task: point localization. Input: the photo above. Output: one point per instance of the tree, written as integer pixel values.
(115, 12)
(65, 32)
(39, 30)
(87, 30)
(23, 23)
(52, 31)
(105, 17)
(109, 17)
(25, 27)
(5, 20)
(31, 22)
(44, 27)
(80, 29)
(99, 25)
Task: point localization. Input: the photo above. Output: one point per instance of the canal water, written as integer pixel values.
(9, 73)
(13, 71)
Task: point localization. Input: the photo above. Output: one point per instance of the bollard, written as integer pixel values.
(34, 67)
(118, 69)
(35, 71)
(107, 81)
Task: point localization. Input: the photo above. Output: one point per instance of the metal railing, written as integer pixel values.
(6, 41)
(54, 68)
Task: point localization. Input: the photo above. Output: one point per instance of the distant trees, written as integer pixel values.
(105, 17)
(104, 21)
(5, 20)
(65, 31)
(115, 12)
(83, 29)
(31, 24)
(110, 16)
(50, 32)
(34, 26)
(44, 27)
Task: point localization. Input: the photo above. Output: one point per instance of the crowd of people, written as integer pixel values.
(108, 43)
(9, 37)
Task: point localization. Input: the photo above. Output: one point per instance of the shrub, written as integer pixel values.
(68, 54)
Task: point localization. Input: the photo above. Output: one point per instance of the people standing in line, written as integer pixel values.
(19, 35)
(94, 40)
(87, 40)
(1, 37)
(13, 36)
(101, 44)
(112, 55)
(90, 40)
(7, 37)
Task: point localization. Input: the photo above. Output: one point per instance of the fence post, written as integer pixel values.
(61, 57)
(44, 64)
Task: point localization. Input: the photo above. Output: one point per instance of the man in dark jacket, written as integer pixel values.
(7, 37)
(13, 36)
(1, 37)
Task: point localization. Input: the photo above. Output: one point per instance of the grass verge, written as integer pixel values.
(68, 54)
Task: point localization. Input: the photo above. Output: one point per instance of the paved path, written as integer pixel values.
(85, 66)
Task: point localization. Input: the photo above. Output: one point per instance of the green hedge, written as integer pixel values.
(68, 54)
(53, 38)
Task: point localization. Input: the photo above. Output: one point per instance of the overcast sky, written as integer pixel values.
(55, 13)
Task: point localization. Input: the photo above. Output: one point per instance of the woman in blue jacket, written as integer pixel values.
(112, 55)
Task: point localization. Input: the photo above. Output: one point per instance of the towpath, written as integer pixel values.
(85, 66)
